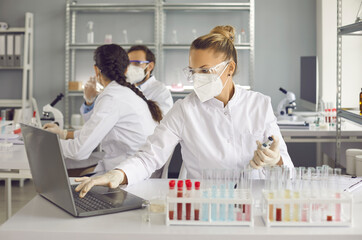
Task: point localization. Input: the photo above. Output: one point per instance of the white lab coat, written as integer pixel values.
(120, 122)
(156, 91)
(153, 90)
(211, 135)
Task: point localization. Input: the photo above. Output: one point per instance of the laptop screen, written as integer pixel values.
(47, 166)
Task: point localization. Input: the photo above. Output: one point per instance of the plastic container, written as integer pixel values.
(358, 160)
(351, 161)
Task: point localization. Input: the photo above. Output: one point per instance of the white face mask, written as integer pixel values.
(135, 74)
(207, 86)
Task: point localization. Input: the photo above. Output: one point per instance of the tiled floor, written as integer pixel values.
(20, 196)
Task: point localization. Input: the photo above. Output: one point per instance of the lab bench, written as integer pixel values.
(40, 218)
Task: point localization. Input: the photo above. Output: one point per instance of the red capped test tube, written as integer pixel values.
(180, 185)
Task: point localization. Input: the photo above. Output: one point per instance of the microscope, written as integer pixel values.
(50, 109)
(287, 106)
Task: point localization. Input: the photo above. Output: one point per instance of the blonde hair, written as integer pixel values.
(221, 40)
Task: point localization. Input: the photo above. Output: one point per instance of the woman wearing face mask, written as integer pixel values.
(220, 125)
(122, 118)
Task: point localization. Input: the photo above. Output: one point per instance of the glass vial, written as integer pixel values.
(90, 33)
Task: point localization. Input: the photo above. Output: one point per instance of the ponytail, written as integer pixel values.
(113, 61)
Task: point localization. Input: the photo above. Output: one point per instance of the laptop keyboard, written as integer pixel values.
(90, 202)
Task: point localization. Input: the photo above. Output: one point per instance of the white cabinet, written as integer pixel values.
(26, 37)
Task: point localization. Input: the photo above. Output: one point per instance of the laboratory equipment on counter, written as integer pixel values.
(225, 199)
(57, 115)
(287, 106)
(305, 197)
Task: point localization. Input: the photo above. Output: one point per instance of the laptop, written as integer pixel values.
(51, 180)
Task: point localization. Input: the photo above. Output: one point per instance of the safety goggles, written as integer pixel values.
(213, 70)
(138, 63)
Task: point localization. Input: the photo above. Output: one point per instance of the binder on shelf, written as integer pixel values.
(2, 50)
(10, 50)
(18, 58)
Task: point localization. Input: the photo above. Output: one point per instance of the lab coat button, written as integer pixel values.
(225, 113)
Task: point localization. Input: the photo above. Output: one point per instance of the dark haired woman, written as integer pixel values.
(122, 118)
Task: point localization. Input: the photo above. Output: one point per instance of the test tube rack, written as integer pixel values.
(242, 215)
(316, 212)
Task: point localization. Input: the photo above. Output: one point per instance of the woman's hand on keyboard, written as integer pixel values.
(111, 179)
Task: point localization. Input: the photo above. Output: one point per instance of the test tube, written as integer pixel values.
(247, 175)
(278, 208)
(297, 178)
(206, 178)
(337, 175)
(272, 187)
(188, 195)
(171, 194)
(287, 192)
(180, 184)
(331, 194)
(222, 190)
(232, 179)
(197, 205)
(214, 194)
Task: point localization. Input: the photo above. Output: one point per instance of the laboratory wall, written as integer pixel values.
(284, 31)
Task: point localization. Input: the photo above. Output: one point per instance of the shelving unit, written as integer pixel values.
(354, 29)
(27, 68)
(160, 47)
(72, 47)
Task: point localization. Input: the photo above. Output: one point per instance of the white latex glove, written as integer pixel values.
(90, 90)
(54, 128)
(266, 156)
(111, 179)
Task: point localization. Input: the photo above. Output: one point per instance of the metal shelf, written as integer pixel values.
(26, 68)
(10, 103)
(350, 115)
(87, 46)
(112, 7)
(75, 94)
(171, 46)
(13, 30)
(11, 68)
(207, 6)
(351, 29)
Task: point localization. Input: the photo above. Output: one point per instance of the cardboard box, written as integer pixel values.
(75, 86)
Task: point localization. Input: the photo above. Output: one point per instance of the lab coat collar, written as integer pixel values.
(146, 83)
(109, 86)
(215, 103)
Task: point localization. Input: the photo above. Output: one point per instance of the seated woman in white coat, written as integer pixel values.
(219, 125)
(122, 118)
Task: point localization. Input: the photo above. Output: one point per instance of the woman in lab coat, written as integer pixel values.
(122, 118)
(219, 125)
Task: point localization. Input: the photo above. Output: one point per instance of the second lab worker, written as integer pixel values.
(219, 125)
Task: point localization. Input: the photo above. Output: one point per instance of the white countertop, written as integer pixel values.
(40, 219)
